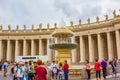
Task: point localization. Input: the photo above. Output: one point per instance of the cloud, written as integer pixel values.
(20, 12)
(66, 8)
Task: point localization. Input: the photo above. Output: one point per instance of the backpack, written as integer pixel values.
(5, 66)
(12, 70)
(31, 73)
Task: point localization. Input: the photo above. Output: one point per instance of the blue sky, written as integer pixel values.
(28, 12)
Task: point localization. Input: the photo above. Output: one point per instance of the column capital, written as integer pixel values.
(40, 38)
(16, 39)
(89, 34)
(32, 39)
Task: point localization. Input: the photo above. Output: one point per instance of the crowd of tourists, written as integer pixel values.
(37, 70)
(102, 66)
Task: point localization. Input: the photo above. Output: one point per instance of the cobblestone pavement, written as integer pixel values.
(9, 77)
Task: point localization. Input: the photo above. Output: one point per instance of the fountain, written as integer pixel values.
(64, 44)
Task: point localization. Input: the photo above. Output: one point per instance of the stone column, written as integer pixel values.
(100, 50)
(91, 52)
(16, 50)
(56, 52)
(40, 47)
(82, 49)
(49, 54)
(8, 50)
(24, 48)
(118, 43)
(1, 54)
(74, 56)
(32, 48)
(110, 46)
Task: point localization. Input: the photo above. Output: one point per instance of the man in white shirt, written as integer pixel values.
(19, 71)
(54, 70)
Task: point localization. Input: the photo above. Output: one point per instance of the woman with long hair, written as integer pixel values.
(88, 69)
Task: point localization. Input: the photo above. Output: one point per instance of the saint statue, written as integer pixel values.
(114, 13)
(97, 19)
(106, 17)
(88, 20)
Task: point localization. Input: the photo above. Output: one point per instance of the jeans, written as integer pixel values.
(30, 76)
(60, 75)
(98, 74)
(88, 73)
(104, 72)
(66, 75)
(19, 78)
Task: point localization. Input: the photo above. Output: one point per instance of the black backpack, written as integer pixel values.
(12, 70)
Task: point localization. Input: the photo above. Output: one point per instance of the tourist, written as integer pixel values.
(65, 69)
(56, 62)
(5, 67)
(88, 69)
(97, 67)
(114, 67)
(0, 66)
(104, 68)
(35, 66)
(41, 72)
(30, 71)
(26, 70)
(19, 71)
(12, 69)
(54, 70)
(60, 72)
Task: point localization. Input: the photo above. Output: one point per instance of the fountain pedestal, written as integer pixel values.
(64, 54)
(63, 44)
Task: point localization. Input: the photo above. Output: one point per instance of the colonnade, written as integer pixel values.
(101, 45)
(97, 46)
(10, 49)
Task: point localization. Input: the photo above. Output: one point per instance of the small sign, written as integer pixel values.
(33, 58)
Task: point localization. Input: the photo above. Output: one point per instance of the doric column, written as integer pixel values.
(74, 56)
(100, 50)
(1, 54)
(32, 48)
(56, 52)
(82, 49)
(24, 48)
(48, 50)
(91, 52)
(8, 50)
(40, 47)
(110, 46)
(118, 43)
(16, 50)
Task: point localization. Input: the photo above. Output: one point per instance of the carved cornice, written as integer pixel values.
(75, 28)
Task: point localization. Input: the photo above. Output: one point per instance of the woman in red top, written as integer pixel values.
(97, 67)
(88, 69)
(41, 72)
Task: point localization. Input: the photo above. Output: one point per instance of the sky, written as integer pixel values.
(28, 12)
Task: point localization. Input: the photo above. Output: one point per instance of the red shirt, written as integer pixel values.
(65, 67)
(41, 73)
(97, 66)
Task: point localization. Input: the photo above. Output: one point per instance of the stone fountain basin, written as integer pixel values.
(63, 46)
